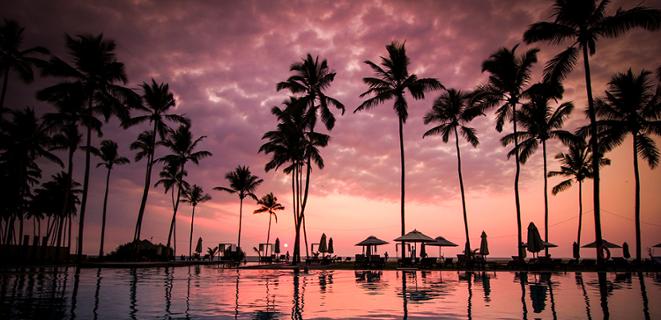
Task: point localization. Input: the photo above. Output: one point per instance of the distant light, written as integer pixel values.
(286, 245)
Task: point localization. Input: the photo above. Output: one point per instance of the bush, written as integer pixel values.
(140, 250)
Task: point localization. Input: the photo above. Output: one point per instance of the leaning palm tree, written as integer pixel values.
(582, 23)
(99, 75)
(269, 203)
(391, 82)
(182, 147)
(632, 107)
(109, 158)
(194, 196)
(243, 183)
(576, 165)
(509, 75)
(157, 102)
(311, 78)
(540, 123)
(453, 111)
(13, 57)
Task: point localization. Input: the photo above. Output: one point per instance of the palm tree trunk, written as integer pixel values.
(69, 234)
(401, 153)
(83, 203)
(20, 230)
(190, 240)
(145, 192)
(67, 194)
(637, 198)
(305, 201)
(580, 213)
(546, 201)
(4, 87)
(174, 217)
(596, 156)
(103, 219)
(296, 257)
(461, 187)
(238, 241)
(268, 235)
(516, 185)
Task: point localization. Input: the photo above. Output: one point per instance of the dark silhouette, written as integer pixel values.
(95, 72)
(243, 183)
(157, 101)
(583, 22)
(194, 196)
(631, 106)
(269, 203)
(576, 164)
(49, 199)
(508, 76)
(14, 57)
(453, 110)
(540, 123)
(109, 157)
(391, 82)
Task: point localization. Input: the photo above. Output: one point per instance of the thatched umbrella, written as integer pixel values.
(331, 250)
(414, 236)
(606, 244)
(198, 247)
(535, 243)
(484, 245)
(441, 242)
(276, 250)
(322, 244)
(371, 242)
(625, 251)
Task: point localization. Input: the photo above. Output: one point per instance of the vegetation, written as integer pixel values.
(269, 203)
(194, 196)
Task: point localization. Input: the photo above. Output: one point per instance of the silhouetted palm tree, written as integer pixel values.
(540, 123)
(576, 164)
(49, 199)
(109, 158)
(194, 195)
(453, 110)
(391, 82)
(269, 203)
(509, 75)
(632, 107)
(310, 80)
(243, 183)
(182, 147)
(13, 57)
(96, 72)
(157, 102)
(582, 23)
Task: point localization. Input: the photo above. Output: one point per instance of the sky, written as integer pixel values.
(223, 60)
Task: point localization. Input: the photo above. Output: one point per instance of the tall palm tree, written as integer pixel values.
(269, 203)
(109, 158)
(509, 75)
(576, 165)
(311, 78)
(243, 183)
(157, 102)
(99, 75)
(453, 111)
(391, 82)
(49, 198)
(182, 147)
(194, 195)
(582, 23)
(540, 123)
(631, 106)
(13, 57)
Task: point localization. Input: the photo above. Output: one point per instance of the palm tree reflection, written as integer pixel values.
(96, 294)
(579, 281)
(296, 312)
(643, 293)
(523, 280)
(133, 284)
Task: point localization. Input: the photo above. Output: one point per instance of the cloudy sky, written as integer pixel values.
(223, 60)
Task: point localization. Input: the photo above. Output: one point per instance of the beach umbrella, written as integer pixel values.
(535, 243)
(330, 246)
(414, 236)
(606, 244)
(441, 242)
(550, 245)
(370, 242)
(198, 247)
(277, 246)
(625, 251)
(322, 244)
(484, 245)
(576, 250)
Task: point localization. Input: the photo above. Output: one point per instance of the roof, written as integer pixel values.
(609, 245)
(371, 241)
(442, 242)
(415, 236)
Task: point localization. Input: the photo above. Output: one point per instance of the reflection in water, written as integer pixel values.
(96, 294)
(296, 307)
(74, 294)
(579, 281)
(643, 293)
(236, 295)
(169, 278)
(603, 293)
(133, 295)
(523, 280)
(405, 302)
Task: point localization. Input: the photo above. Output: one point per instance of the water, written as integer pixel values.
(206, 292)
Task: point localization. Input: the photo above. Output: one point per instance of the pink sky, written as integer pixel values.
(222, 61)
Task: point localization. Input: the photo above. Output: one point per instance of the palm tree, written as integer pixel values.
(632, 107)
(13, 57)
(576, 164)
(109, 158)
(96, 73)
(540, 123)
(310, 80)
(194, 195)
(158, 100)
(509, 74)
(453, 111)
(50, 198)
(269, 203)
(182, 147)
(391, 82)
(243, 183)
(583, 22)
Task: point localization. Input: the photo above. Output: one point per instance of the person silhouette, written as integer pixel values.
(386, 256)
